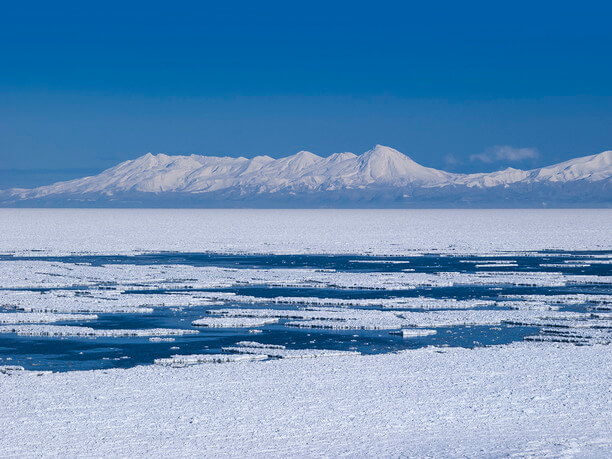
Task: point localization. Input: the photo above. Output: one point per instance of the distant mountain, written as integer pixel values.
(381, 177)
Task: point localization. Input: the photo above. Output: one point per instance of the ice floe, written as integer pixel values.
(414, 332)
(66, 330)
(566, 299)
(250, 347)
(183, 278)
(232, 322)
(178, 361)
(350, 319)
(582, 336)
(12, 370)
(387, 303)
(33, 318)
(482, 317)
(495, 265)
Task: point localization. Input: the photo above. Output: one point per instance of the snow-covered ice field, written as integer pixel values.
(479, 333)
(525, 400)
(301, 231)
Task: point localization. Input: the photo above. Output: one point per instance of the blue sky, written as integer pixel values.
(464, 86)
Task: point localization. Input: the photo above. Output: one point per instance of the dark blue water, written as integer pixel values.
(427, 263)
(69, 353)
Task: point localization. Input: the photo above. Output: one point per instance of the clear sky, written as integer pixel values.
(463, 86)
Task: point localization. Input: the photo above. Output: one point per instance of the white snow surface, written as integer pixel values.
(534, 399)
(382, 232)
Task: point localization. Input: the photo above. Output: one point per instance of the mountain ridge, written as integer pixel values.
(381, 176)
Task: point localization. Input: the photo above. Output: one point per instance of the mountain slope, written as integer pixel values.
(590, 168)
(381, 176)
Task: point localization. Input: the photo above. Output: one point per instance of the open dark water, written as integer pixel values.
(427, 263)
(73, 353)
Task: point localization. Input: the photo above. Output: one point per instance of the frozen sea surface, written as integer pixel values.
(525, 400)
(112, 231)
(413, 333)
(72, 312)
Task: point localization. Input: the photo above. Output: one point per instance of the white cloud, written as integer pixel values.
(505, 153)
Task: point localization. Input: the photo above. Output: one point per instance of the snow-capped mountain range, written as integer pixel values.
(381, 177)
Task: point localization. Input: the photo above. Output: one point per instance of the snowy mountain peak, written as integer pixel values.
(604, 156)
(592, 168)
(293, 165)
(389, 165)
(262, 158)
(380, 173)
(306, 154)
(381, 151)
(338, 157)
(154, 157)
(304, 158)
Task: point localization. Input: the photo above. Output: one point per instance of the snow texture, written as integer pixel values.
(373, 232)
(532, 399)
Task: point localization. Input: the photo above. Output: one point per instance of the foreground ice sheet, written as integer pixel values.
(526, 399)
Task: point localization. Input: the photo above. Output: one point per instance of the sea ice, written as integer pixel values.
(178, 361)
(250, 347)
(33, 318)
(65, 330)
(414, 332)
(232, 322)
